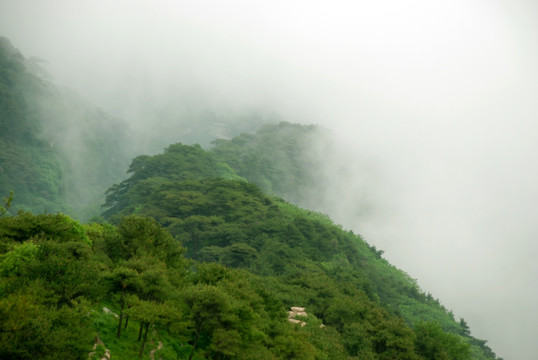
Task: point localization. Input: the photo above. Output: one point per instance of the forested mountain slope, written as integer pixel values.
(57, 153)
(308, 260)
(204, 258)
(29, 166)
(59, 280)
(276, 158)
(57, 276)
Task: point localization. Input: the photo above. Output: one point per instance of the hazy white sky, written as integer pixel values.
(434, 104)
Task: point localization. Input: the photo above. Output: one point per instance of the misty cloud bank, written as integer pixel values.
(432, 105)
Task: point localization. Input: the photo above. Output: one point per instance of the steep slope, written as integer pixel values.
(178, 163)
(276, 158)
(60, 153)
(307, 259)
(29, 166)
(57, 153)
(59, 280)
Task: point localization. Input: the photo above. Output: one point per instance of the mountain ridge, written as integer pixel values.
(200, 214)
(224, 206)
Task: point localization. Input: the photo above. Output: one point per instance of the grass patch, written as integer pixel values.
(127, 347)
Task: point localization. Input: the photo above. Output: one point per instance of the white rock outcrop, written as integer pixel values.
(297, 311)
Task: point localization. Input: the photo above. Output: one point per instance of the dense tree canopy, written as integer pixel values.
(59, 274)
(371, 306)
(57, 152)
(277, 158)
(200, 260)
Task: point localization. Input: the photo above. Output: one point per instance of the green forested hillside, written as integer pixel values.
(60, 279)
(307, 259)
(276, 158)
(252, 257)
(57, 276)
(60, 153)
(29, 166)
(57, 153)
(197, 255)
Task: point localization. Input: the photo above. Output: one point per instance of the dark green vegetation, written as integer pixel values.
(60, 153)
(56, 276)
(57, 153)
(199, 260)
(276, 158)
(28, 165)
(301, 256)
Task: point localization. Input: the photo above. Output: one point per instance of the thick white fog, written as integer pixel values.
(434, 104)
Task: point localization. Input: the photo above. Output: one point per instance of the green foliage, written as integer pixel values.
(127, 347)
(302, 257)
(57, 153)
(7, 204)
(47, 279)
(428, 310)
(238, 255)
(32, 329)
(275, 158)
(433, 343)
(28, 165)
(262, 254)
(178, 163)
(25, 226)
(14, 262)
(54, 270)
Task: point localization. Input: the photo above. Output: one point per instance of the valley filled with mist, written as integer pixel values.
(307, 149)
